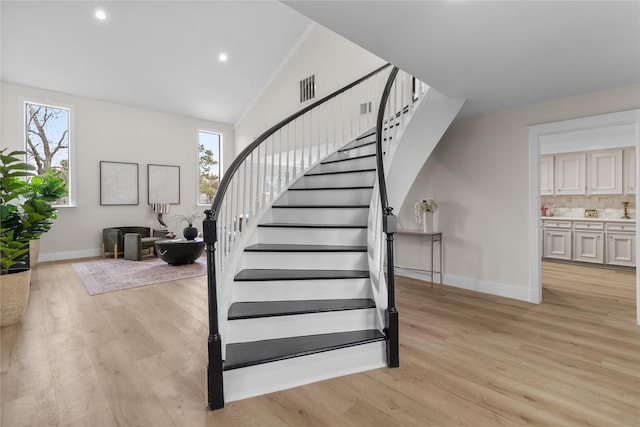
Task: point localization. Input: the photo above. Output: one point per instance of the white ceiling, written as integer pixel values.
(497, 54)
(163, 55)
(156, 55)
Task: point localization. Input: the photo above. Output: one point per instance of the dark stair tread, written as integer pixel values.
(357, 144)
(307, 205)
(368, 133)
(328, 162)
(263, 274)
(340, 172)
(256, 309)
(360, 187)
(278, 247)
(240, 355)
(298, 225)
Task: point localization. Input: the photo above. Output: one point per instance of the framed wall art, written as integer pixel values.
(163, 184)
(591, 213)
(118, 183)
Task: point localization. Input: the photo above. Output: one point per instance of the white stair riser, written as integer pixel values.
(312, 236)
(320, 216)
(349, 154)
(289, 290)
(354, 179)
(360, 141)
(347, 165)
(360, 196)
(306, 260)
(361, 151)
(265, 328)
(269, 377)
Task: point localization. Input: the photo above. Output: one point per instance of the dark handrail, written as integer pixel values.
(228, 175)
(215, 391)
(389, 226)
(383, 102)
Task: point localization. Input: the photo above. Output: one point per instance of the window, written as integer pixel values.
(209, 167)
(48, 142)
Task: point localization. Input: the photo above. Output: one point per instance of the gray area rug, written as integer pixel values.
(108, 275)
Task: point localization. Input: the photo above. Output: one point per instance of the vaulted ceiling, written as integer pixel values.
(164, 55)
(497, 54)
(161, 55)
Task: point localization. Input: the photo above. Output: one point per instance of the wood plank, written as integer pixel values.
(138, 357)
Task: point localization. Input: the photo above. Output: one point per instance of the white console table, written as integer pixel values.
(434, 237)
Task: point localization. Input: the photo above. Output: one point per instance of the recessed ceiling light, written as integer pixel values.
(101, 14)
(223, 57)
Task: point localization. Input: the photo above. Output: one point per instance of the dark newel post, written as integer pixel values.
(390, 226)
(215, 391)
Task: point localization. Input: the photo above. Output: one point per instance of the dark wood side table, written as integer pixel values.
(435, 237)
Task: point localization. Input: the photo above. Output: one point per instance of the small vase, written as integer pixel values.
(190, 232)
(427, 222)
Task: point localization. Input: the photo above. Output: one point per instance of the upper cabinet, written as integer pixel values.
(630, 170)
(597, 172)
(570, 174)
(604, 172)
(546, 175)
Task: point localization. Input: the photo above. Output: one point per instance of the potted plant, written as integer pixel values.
(24, 215)
(14, 242)
(422, 209)
(189, 232)
(38, 211)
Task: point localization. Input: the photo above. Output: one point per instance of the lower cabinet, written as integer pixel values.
(557, 244)
(606, 242)
(588, 241)
(621, 249)
(588, 246)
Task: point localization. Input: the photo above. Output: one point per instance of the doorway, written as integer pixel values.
(604, 131)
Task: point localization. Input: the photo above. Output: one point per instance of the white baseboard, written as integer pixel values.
(492, 288)
(59, 256)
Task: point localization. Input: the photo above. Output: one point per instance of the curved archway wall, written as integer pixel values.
(623, 125)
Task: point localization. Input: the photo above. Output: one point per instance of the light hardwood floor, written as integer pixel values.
(137, 357)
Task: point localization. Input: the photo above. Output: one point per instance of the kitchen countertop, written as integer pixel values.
(580, 218)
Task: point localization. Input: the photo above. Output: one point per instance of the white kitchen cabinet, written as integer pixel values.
(621, 249)
(546, 175)
(621, 244)
(569, 173)
(629, 173)
(588, 246)
(604, 170)
(557, 243)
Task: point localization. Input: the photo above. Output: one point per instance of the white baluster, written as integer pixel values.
(251, 205)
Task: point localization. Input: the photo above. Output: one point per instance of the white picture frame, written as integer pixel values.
(119, 183)
(163, 184)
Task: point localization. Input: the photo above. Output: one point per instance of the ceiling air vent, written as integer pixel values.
(307, 88)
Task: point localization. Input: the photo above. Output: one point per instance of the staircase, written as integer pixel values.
(303, 289)
(300, 242)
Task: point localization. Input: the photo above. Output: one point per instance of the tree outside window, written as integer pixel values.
(209, 166)
(47, 141)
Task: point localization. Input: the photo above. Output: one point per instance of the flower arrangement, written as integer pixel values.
(189, 219)
(423, 206)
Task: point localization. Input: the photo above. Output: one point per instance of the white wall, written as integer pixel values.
(334, 60)
(112, 132)
(479, 175)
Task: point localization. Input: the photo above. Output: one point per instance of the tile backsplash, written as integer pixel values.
(574, 206)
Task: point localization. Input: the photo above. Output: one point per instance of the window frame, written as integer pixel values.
(71, 188)
(220, 160)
